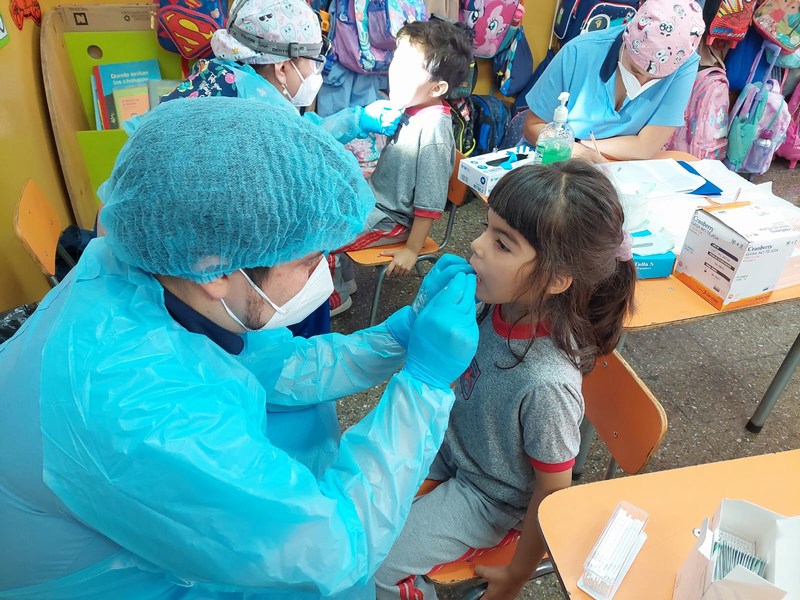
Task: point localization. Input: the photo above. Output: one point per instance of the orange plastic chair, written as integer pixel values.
(371, 257)
(38, 227)
(629, 420)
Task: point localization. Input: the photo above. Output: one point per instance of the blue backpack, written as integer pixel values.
(739, 61)
(490, 118)
(574, 17)
(521, 102)
(514, 65)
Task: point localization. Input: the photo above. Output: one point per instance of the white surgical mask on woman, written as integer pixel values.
(316, 290)
(308, 90)
(632, 86)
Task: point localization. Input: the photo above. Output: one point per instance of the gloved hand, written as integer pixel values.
(445, 335)
(380, 117)
(442, 273)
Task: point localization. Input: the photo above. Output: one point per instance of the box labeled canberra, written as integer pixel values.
(734, 255)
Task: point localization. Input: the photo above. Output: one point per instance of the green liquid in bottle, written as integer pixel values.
(551, 153)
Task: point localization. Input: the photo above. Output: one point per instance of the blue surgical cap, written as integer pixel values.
(208, 186)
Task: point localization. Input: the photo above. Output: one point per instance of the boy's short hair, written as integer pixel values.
(447, 48)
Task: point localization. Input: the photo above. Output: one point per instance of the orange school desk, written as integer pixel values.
(677, 501)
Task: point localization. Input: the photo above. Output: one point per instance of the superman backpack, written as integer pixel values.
(185, 27)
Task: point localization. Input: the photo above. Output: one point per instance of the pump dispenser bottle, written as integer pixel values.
(556, 139)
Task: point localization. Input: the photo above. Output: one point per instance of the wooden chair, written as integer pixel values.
(38, 227)
(371, 257)
(631, 423)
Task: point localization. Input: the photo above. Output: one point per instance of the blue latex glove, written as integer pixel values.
(442, 273)
(380, 117)
(445, 335)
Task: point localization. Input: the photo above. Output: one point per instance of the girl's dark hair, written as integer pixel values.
(570, 213)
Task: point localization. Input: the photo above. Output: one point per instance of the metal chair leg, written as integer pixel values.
(775, 389)
(376, 295)
(612, 468)
(587, 437)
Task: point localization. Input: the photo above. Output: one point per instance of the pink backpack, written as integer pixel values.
(495, 23)
(790, 148)
(705, 130)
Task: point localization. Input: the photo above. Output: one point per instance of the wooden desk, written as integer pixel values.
(661, 302)
(677, 501)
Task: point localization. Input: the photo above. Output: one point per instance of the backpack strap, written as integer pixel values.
(775, 55)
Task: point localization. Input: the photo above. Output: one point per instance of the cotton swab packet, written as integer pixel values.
(730, 550)
(614, 552)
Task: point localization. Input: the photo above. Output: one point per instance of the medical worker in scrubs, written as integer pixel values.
(135, 458)
(628, 85)
(274, 51)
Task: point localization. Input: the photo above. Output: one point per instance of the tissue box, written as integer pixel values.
(482, 173)
(655, 265)
(652, 266)
(733, 255)
(776, 538)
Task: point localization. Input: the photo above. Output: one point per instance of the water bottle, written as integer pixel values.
(760, 156)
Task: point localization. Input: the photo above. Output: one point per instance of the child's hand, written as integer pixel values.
(503, 584)
(402, 262)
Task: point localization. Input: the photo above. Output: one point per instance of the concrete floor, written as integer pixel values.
(709, 375)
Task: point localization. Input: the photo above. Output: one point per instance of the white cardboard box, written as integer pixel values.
(777, 538)
(482, 173)
(734, 255)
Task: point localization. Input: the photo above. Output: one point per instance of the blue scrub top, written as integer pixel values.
(586, 67)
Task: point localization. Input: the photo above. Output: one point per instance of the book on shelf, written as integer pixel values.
(157, 88)
(130, 102)
(98, 120)
(110, 77)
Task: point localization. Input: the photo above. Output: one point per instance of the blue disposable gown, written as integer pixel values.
(134, 461)
(310, 434)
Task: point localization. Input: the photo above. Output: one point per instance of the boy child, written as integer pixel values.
(411, 178)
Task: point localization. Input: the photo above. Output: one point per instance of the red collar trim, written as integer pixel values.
(520, 331)
(440, 107)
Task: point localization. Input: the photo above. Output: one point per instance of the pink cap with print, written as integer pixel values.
(663, 34)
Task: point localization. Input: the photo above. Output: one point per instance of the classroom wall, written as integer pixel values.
(28, 151)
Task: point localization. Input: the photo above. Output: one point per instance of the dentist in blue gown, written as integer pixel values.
(135, 457)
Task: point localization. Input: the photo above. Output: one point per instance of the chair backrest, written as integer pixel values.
(457, 190)
(38, 226)
(628, 418)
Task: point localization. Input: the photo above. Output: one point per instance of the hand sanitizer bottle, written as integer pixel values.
(556, 139)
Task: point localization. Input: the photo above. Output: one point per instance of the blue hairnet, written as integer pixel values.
(202, 189)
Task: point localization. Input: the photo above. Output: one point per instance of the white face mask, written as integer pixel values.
(316, 290)
(308, 90)
(632, 86)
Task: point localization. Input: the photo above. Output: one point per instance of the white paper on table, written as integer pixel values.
(667, 174)
(725, 179)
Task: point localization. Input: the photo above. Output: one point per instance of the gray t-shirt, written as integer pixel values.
(506, 420)
(414, 169)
